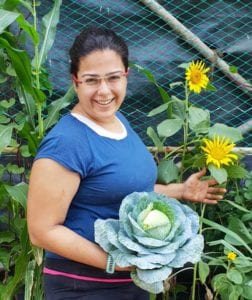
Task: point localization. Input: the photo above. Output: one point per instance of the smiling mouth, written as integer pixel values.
(104, 102)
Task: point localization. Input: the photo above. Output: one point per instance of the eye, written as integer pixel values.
(114, 78)
(91, 81)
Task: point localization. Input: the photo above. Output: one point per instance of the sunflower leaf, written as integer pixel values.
(219, 174)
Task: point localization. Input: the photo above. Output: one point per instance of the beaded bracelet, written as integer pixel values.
(110, 267)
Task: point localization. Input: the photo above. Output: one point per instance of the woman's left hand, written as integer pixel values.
(197, 190)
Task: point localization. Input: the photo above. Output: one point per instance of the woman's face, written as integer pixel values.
(100, 85)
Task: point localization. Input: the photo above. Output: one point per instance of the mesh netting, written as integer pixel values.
(225, 26)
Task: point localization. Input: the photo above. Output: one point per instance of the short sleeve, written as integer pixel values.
(66, 151)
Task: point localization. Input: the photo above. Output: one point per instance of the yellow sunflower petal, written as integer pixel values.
(217, 151)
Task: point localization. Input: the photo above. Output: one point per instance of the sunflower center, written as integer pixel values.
(196, 77)
(218, 153)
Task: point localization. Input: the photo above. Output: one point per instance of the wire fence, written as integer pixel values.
(224, 26)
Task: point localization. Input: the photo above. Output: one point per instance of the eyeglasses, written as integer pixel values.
(111, 79)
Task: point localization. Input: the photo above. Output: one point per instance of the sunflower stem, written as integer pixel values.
(185, 127)
(195, 269)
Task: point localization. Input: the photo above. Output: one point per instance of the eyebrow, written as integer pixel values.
(96, 75)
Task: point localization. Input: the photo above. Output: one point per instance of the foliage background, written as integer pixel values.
(225, 26)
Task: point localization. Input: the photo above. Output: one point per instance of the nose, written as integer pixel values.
(103, 87)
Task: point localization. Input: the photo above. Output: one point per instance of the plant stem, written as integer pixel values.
(196, 265)
(37, 78)
(185, 126)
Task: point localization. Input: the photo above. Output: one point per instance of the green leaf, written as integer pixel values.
(223, 130)
(5, 258)
(235, 292)
(237, 206)
(7, 103)
(169, 127)
(5, 136)
(235, 171)
(24, 150)
(13, 284)
(14, 169)
(178, 108)
(237, 226)
(29, 29)
(30, 106)
(167, 171)
(146, 72)
(7, 18)
(49, 23)
(4, 119)
(220, 283)
(21, 63)
(211, 88)
(184, 65)
(10, 4)
(219, 174)
(227, 231)
(29, 278)
(164, 95)
(247, 290)
(158, 110)
(227, 246)
(156, 140)
(55, 107)
(235, 276)
(18, 192)
(204, 271)
(175, 84)
(6, 237)
(199, 119)
(233, 69)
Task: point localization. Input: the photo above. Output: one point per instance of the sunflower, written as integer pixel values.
(196, 76)
(218, 151)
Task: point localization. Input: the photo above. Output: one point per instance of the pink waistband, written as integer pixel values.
(74, 276)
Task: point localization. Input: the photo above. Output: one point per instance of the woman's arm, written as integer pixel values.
(51, 190)
(194, 189)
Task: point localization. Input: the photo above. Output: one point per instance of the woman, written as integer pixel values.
(84, 167)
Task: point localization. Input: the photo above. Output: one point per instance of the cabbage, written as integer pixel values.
(155, 234)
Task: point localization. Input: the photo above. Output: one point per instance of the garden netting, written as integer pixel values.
(224, 26)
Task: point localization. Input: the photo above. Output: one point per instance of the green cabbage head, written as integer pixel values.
(155, 234)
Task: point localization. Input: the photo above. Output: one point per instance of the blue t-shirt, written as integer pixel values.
(109, 170)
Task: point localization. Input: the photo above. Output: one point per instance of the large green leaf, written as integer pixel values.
(55, 107)
(29, 279)
(223, 130)
(30, 106)
(234, 276)
(21, 63)
(247, 290)
(28, 28)
(199, 119)
(49, 23)
(235, 171)
(155, 138)
(5, 136)
(219, 174)
(7, 18)
(5, 258)
(178, 108)
(167, 171)
(227, 231)
(204, 271)
(10, 4)
(18, 192)
(169, 127)
(237, 226)
(158, 110)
